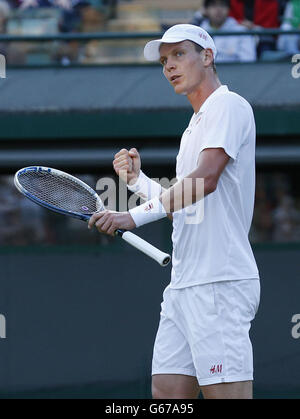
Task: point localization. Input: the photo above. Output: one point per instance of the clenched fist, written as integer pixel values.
(127, 165)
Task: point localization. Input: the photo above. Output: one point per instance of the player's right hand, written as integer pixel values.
(127, 165)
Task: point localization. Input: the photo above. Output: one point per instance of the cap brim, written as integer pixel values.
(151, 50)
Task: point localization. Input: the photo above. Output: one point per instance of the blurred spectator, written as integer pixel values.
(230, 48)
(13, 52)
(71, 14)
(198, 17)
(112, 6)
(276, 216)
(17, 225)
(71, 11)
(14, 4)
(4, 15)
(258, 14)
(291, 20)
(286, 220)
(262, 225)
(63, 4)
(286, 217)
(64, 16)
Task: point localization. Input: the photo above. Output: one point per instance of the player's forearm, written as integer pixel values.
(194, 187)
(169, 214)
(184, 193)
(199, 183)
(187, 192)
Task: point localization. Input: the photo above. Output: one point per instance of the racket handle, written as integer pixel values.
(162, 258)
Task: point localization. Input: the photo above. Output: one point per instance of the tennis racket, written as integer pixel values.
(67, 195)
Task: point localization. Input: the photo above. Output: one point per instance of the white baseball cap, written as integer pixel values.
(179, 33)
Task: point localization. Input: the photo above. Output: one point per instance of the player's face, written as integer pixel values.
(182, 66)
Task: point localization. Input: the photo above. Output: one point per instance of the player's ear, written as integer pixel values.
(208, 57)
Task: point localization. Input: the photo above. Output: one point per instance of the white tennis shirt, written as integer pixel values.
(217, 248)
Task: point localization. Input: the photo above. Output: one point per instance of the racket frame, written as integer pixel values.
(162, 258)
(74, 214)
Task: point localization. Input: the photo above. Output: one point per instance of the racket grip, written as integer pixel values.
(162, 258)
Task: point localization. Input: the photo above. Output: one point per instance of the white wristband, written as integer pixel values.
(145, 188)
(148, 212)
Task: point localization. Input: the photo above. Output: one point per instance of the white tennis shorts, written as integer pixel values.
(204, 331)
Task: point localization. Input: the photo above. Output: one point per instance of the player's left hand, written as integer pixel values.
(109, 221)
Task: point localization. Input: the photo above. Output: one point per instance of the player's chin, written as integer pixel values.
(180, 90)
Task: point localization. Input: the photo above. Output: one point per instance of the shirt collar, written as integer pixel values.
(220, 90)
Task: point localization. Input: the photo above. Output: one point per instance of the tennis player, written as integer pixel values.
(202, 342)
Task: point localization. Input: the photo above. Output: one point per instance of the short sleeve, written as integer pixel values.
(226, 124)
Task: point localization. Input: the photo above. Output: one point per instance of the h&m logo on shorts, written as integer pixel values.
(216, 369)
(149, 207)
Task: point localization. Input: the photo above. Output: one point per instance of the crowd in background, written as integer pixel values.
(40, 17)
(276, 216)
(213, 15)
(243, 15)
(277, 209)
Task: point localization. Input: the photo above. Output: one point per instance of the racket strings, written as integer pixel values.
(61, 192)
